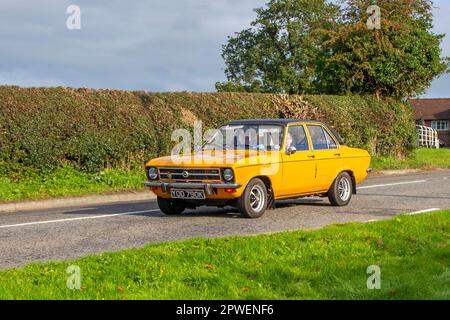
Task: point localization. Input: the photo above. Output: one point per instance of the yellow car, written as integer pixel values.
(249, 164)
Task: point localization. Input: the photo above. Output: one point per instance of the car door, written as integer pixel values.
(299, 167)
(327, 155)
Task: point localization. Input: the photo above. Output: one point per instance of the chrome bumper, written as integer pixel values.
(208, 187)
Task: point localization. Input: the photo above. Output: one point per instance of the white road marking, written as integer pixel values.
(391, 184)
(76, 219)
(423, 211)
(154, 210)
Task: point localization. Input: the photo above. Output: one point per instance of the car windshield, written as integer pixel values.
(265, 137)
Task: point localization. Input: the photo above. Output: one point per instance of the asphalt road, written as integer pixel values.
(31, 236)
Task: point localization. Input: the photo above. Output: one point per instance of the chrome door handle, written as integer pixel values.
(337, 154)
(311, 156)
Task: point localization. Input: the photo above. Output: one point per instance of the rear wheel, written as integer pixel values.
(254, 200)
(341, 190)
(171, 207)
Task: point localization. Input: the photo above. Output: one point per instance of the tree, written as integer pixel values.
(399, 60)
(315, 46)
(278, 53)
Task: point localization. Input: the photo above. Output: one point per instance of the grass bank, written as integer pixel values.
(419, 159)
(67, 181)
(412, 253)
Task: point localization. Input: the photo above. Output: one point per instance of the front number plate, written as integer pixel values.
(187, 194)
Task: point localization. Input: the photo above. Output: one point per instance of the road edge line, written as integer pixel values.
(55, 203)
(423, 211)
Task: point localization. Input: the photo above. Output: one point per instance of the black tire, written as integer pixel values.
(171, 207)
(253, 202)
(341, 190)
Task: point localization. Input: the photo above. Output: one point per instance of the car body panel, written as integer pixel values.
(303, 173)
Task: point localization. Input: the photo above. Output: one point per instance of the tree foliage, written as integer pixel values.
(277, 54)
(297, 46)
(399, 60)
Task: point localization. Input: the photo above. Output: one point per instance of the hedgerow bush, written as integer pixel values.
(45, 128)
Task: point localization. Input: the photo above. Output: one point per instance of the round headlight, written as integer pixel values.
(152, 173)
(228, 174)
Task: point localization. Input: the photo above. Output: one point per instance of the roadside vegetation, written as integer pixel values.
(419, 159)
(66, 142)
(66, 181)
(43, 129)
(412, 253)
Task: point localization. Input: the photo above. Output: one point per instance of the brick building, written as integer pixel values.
(434, 113)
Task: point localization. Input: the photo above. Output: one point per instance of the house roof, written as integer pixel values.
(431, 109)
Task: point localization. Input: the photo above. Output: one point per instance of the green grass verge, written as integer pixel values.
(70, 182)
(419, 159)
(412, 251)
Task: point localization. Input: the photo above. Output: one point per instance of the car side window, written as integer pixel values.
(331, 143)
(318, 137)
(296, 137)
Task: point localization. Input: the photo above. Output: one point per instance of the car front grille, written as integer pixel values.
(188, 174)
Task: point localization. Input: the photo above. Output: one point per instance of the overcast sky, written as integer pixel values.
(154, 45)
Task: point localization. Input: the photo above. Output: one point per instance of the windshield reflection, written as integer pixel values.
(246, 137)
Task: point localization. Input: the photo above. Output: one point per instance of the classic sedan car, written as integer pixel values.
(249, 164)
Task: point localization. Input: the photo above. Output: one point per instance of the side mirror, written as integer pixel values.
(291, 150)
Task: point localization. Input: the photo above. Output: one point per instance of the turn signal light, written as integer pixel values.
(230, 190)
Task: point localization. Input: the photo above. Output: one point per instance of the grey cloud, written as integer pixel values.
(152, 45)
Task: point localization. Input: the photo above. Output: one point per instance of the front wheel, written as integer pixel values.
(341, 190)
(170, 207)
(254, 200)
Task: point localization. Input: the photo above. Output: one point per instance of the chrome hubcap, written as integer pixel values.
(344, 189)
(257, 199)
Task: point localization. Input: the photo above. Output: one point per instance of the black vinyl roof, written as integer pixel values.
(270, 121)
(284, 122)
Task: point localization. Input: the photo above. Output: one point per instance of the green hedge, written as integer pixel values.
(45, 128)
